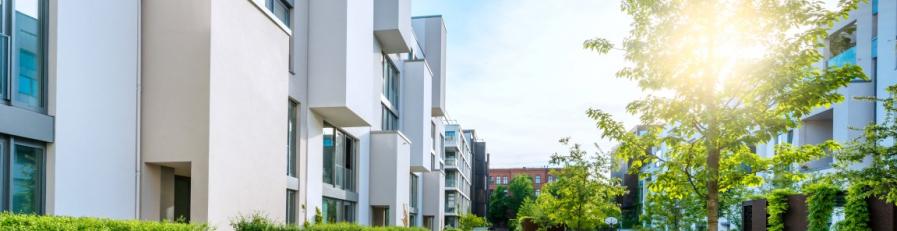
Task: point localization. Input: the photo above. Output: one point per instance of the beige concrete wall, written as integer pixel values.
(248, 113)
(175, 98)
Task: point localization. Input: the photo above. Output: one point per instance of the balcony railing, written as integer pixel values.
(849, 56)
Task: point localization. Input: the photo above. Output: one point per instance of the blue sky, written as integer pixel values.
(517, 72)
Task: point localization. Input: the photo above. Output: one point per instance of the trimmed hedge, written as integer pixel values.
(10, 221)
(261, 223)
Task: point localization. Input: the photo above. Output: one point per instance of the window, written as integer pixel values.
(550, 178)
(291, 206)
(390, 120)
(414, 202)
(25, 175)
(281, 9)
(27, 87)
(504, 180)
(335, 210)
(491, 179)
(433, 135)
(390, 81)
(339, 158)
(292, 130)
(538, 179)
(450, 135)
(538, 191)
(391, 95)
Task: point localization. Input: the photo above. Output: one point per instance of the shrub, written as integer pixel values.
(469, 221)
(821, 202)
(777, 206)
(257, 222)
(856, 212)
(10, 221)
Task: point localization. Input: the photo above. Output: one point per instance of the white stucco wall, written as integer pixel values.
(91, 166)
(247, 113)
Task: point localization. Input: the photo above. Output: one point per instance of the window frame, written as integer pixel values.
(11, 83)
(353, 163)
(293, 139)
(291, 206)
(287, 5)
(7, 168)
(390, 94)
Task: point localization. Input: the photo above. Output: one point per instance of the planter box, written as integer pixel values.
(882, 215)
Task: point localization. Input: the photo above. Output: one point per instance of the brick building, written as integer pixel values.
(503, 176)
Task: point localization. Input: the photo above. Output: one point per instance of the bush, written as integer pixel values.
(258, 222)
(10, 221)
(469, 221)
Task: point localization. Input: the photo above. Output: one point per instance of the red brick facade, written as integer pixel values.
(503, 176)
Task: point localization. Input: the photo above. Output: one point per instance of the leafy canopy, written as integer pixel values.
(720, 77)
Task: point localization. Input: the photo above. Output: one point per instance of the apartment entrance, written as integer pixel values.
(428, 222)
(166, 192)
(380, 216)
(182, 198)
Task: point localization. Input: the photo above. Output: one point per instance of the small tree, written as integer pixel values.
(583, 194)
(520, 188)
(498, 206)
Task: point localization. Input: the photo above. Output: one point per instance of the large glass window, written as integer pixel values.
(30, 83)
(281, 9)
(291, 206)
(292, 129)
(339, 158)
(335, 210)
(538, 179)
(26, 178)
(391, 94)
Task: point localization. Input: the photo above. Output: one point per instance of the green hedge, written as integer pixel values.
(262, 223)
(9, 221)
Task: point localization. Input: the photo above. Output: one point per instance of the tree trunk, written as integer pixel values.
(713, 189)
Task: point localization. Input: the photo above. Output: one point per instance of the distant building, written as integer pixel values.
(503, 176)
(479, 197)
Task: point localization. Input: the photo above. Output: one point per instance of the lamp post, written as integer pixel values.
(612, 221)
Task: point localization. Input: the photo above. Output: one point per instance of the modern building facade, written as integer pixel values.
(479, 195)
(457, 174)
(207, 110)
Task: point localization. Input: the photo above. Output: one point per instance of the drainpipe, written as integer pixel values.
(138, 159)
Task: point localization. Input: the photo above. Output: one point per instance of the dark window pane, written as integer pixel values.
(291, 139)
(26, 179)
(291, 207)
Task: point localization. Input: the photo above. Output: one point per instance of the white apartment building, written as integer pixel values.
(457, 174)
(867, 39)
(208, 110)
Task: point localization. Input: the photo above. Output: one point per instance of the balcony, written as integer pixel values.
(339, 76)
(416, 114)
(430, 33)
(849, 56)
(389, 180)
(392, 25)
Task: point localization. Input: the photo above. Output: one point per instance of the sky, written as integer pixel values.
(517, 73)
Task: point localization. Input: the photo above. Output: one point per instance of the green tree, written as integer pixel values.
(520, 188)
(582, 195)
(721, 76)
(877, 142)
(498, 206)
